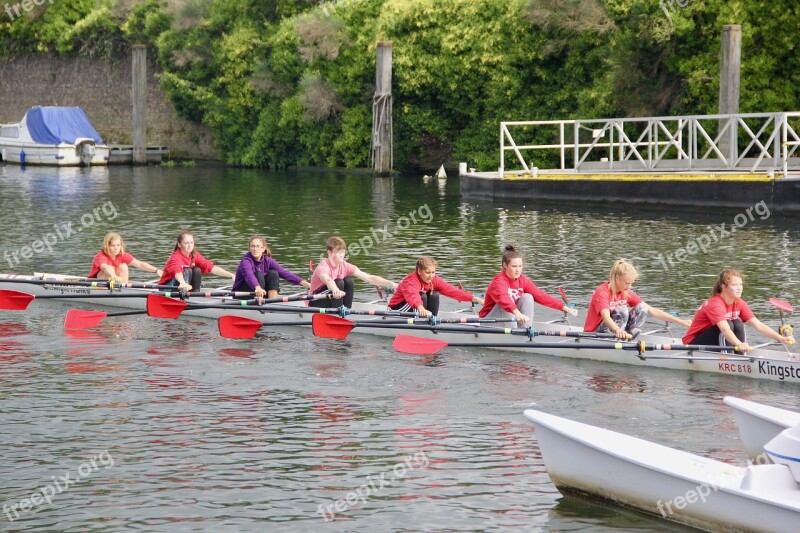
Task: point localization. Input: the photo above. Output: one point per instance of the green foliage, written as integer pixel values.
(291, 82)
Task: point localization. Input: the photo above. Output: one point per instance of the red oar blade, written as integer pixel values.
(781, 305)
(563, 294)
(238, 327)
(77, 319)
(417, 345)
(331, 327)
(15, 300)
(162, 307)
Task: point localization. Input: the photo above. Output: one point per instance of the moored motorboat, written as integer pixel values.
(55, 136)
(761, 363)
(675, 485)
(759, 423)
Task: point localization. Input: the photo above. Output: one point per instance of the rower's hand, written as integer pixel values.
(622, 334)
(337, 294)
(185, 287)
(571, 310)
(424, 313)
(743, 347)
(788, 339)
(260, 293)
(521, 319)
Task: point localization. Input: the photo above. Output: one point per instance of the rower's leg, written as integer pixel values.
(525, 305)
(271, 284)
(636, 318)
(349, 288)
(122, 272)
(196, 277)
(430, 300)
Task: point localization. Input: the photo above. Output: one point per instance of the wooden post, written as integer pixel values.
(139, 97)
(729, 69)
(382, 155)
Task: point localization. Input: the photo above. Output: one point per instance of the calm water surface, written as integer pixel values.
(164, 426)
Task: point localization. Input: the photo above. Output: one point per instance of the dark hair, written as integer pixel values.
(510, 253)
(724, 279)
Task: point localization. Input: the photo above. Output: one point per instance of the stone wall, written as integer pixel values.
(103, 90)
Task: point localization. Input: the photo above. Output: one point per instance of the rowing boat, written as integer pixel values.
(761, 363)
(658, 480)
(758, 424)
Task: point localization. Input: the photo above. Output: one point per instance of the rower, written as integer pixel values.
(112, 261)
(334, 275)
(420, 290)
(615, 308)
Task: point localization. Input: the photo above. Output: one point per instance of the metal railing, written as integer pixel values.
(752, 142)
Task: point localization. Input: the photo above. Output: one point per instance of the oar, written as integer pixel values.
(19, 301)
(332, 327)
(786, 329)
(424, 346)
(162, 307)
(85, 282)
(239, 327)
(80, 319)
(564, 297)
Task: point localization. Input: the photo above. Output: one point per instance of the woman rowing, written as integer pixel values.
(720, 320)
(511, 295)
(420, 290)
(615, 308)
(334, 275)
(112, 261)
(186, 266)
(259, 272)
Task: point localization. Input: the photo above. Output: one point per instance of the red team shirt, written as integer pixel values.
(103, 258)
(713, 311)
(505, 292)
(177, 262)
(408, 291)
(603, 299)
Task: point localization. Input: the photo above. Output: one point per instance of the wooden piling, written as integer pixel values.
(729, 71)
(139, 100)
(382, 154)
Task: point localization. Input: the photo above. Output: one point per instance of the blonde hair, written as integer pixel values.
(621, 267)
(267, 250)
(110, 236)
(724, 279)
(425, 262)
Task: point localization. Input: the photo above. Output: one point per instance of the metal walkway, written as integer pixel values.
(755, 143)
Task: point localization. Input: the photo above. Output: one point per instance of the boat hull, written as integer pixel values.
(758, 424)
(770, 364)
(59, 155)
(661, 481)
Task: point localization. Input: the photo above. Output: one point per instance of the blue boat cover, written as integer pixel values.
(54, 125)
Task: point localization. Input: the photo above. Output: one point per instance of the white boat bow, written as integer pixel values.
(758, 424)
(672, 484)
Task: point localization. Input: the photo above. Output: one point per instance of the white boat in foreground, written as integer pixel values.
(759, 424)
(55, 136)
(762, 363)
(672, 484)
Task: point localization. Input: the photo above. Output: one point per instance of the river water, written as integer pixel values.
(156, 425)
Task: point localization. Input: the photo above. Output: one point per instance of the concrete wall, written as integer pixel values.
(103, 90)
